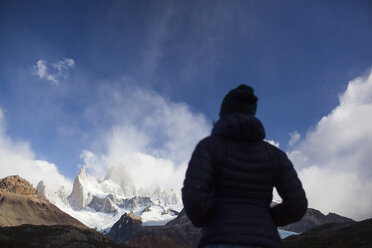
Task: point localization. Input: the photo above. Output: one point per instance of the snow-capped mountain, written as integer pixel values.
(100, 203)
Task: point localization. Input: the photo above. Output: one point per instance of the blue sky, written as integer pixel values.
(298, 55)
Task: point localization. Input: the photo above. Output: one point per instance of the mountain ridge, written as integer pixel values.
(314, 218)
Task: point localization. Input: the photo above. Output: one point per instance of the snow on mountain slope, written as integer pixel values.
(100, 203)
(156, 215)
(284, 234)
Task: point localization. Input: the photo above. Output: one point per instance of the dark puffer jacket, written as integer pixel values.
(229, 183)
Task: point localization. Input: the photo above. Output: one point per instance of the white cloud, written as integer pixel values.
(157, 36)
(152, 137)
(295, 137)
(274, 143)
(54, 72)
(334, 159)
(17, 158)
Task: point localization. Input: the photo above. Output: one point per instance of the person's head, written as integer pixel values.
(239, 100)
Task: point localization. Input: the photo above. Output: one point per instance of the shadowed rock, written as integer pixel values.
(314, 218)
(178, 233)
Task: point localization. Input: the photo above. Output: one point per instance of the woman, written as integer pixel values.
(230, 179)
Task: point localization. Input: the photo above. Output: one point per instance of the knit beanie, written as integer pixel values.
(239, 100)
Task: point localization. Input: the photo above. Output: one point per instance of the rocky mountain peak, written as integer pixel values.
(131, 217)
(314, 218)
(77, 197)
(41, 187)
(83, 172)
(17, 185)
(333, 217)
(178, 233)
(123, 228)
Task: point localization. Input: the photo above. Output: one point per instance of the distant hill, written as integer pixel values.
(334, 235)
(314, 218)
(21, 204)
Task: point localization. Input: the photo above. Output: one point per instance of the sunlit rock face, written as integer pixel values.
(79, 196)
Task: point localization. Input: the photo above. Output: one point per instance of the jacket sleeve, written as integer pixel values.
(197, 184)
(289, 187)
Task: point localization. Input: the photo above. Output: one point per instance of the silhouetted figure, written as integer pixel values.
(230, 179)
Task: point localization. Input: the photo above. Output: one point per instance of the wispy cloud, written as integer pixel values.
(54, 72)
(295, 137)
(334, 159)
(157, 36)
(151, 136)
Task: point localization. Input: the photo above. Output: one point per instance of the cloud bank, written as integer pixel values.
(54, 72)
(151, 137)
(274, 143)
(17, 158)
(295, 136)
(334, 160)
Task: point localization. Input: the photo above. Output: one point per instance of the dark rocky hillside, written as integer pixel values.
(314, 218)
(334, 235)
(58, 236)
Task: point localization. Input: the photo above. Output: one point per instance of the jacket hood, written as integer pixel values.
(239, 126)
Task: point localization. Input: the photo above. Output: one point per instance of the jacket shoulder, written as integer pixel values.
(210, 142)
(275, 152)
(214, 146)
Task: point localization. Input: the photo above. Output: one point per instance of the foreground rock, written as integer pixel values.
(31, 236)
(334, 235)
(314, 218)
(178, 233)
(21, 204)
